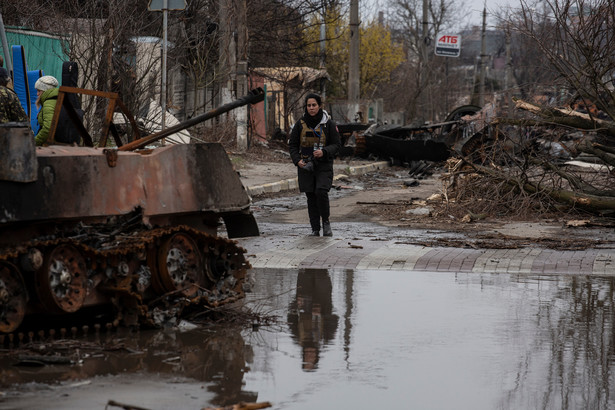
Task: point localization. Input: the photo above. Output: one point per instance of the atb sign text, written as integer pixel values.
(448, 45)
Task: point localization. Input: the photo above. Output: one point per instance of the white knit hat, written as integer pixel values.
(46, 82)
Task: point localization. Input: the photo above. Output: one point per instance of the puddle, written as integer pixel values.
(435, 341)
(363, 340)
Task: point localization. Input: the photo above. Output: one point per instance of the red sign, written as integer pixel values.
(448, 45)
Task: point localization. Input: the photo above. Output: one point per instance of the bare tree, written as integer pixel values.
(276, 31)
(524, 160)
(421, 77)
(285, 47)
(196, 50)
(117, 43)
(575, 37)
(527, 68)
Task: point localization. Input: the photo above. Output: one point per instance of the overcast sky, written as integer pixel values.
(475, 7)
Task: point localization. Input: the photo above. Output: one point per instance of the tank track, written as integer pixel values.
(146, 276)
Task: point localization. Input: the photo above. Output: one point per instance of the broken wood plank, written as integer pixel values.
(242, 406)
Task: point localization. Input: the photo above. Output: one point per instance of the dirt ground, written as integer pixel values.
(393, 198)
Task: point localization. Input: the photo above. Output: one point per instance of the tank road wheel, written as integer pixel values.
(223, 260)
(180, 265)
(218, 265)
(13, 298)
(61, 281)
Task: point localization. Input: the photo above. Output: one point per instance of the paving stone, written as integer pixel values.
(338, 253)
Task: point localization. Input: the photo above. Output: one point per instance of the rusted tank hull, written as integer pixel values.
(17, 155)
(83, 226)
(124, 229)
(178, 184)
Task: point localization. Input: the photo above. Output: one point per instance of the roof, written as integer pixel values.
(302, 76)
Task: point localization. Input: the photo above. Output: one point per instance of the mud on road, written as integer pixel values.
(394, 199)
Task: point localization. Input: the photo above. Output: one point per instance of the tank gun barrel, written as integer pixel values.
(255, 96)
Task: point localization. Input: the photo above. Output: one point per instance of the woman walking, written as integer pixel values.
(314, 143)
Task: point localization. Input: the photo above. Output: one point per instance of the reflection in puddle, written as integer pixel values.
(363, 339)
(215, 356)
(436, 341)
(310, 316)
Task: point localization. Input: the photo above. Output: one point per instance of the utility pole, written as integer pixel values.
(353, 71)
(241, 75)
(508, 74)
(163, 92)
(323, 46)
(483, 62)
(227, 51)
(5, 46)
(233, 62)
(164, 6)
(425, 29)
(323, 35)
(424, 58)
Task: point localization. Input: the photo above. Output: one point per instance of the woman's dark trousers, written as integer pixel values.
(318, 207)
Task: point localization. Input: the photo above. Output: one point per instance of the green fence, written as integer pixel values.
(43, 51)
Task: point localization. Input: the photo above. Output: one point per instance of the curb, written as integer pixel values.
(292, 183)
(364, 169)
(391, 255)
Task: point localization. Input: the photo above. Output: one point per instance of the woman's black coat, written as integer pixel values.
(322, 176)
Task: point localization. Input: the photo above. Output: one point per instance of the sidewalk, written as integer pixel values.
(341, 251)
(348, 250)
(272, 177)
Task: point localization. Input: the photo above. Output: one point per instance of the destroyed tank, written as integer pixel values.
(132, 229)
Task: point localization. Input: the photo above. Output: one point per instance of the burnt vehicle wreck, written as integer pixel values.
(132, 230)
(403, 145)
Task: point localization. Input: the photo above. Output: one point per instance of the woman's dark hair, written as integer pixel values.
(314, 96)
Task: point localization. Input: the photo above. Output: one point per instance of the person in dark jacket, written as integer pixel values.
(314, 142)
(10, 107)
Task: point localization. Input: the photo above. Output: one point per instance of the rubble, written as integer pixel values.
(541, 160)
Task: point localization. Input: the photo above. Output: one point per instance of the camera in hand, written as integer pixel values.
(309, 166)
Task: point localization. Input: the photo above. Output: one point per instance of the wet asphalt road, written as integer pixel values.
(359, 244)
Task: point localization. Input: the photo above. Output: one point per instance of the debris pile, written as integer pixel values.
(540, 160)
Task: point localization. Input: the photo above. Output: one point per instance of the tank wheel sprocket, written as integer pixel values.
(219, 262)
(180, 264)
(224, 260)
(61, 282)
(13, 298)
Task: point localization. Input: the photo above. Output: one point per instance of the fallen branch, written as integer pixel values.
(605, 153)
(45, 359)
(383, 203)
(529, 122)
(573, 180)
(567, 117)
(589, 202)
(242, 406)
(114, 403)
